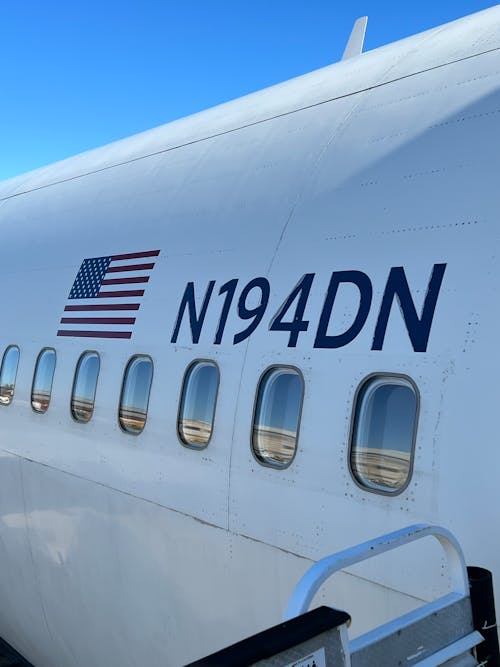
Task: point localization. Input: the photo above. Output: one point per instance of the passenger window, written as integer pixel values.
(277, 416)
(383, 434)
(135, 394)
(42, 380)
(8, 373)
(84, 386)
(197, 406)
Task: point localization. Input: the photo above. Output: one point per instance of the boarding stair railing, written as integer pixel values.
(456, 630)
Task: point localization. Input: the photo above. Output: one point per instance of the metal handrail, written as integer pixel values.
(318, 573)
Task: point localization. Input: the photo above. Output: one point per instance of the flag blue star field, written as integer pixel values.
(106, 295)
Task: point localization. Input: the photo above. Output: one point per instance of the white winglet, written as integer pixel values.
(356, 40)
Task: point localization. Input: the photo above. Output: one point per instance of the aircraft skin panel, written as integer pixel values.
(416, 210)
(115, 555)
(18, 582)
(114, 544)
(455, 41)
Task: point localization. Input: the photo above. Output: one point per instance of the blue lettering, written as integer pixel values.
(195, 321)
(364, 285)
(418, 328)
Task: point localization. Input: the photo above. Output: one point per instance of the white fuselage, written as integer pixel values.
(124, 550)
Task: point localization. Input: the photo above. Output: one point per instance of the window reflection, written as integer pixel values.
(384, 433)
(135, 394)
(84, 386)
(8, 373)
(42, 380)
(197, 407)
(277, 415)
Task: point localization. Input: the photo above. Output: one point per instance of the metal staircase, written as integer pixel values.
(456, 630)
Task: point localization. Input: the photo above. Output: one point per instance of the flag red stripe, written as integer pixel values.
(97, 320)
(130, 267)
(125, 281)
(137, 255)
(107, 306)
(106, 295)
(86, 307)
(95, 334)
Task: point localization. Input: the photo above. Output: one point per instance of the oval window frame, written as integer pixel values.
(12, 346)
(268, 370)
(40, 354)
(133, 358)
(406, 381)
(189, 368)
(77, 367)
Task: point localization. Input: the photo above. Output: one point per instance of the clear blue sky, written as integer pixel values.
(75, 74)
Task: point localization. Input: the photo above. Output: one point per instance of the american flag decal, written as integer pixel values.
(106, 295)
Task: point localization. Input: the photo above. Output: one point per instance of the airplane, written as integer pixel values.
(244, 340)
